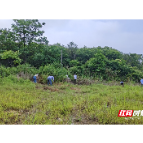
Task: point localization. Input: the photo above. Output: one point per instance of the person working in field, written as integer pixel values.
(75, 78)
(141, 82)
(35, 78)
(50, 78)
(67, 78)
(122, 83)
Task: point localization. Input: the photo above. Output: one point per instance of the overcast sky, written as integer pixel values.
(123, 35)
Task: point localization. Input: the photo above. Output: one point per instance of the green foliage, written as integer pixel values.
(27, 68)
(133, 59)
(12, 79)
(11, 57)
(23, 102)
(99, 63)
(53, 70)
(111, 54)
(72, 48)
(21, 70)
(74, 63)
(73, 70)
(8, 40)
(27, 31)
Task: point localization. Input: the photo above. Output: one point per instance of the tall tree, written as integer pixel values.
(134, 59)
(7, 40)
(72, 50)
(111, 54)
(28, 31)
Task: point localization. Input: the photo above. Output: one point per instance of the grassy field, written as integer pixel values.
(23, 102)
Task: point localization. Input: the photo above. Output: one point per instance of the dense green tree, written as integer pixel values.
(111, 54)
(72, 48)
(28, 31)
(133, 59)
(97, 64)
(10, 58)
(74, 63)
(84, 54)
(27, 37)
(8, 40)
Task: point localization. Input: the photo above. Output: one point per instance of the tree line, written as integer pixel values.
(24, 44)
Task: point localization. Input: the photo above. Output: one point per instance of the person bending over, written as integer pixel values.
(50, 78)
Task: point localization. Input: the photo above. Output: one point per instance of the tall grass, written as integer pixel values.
(23, 102)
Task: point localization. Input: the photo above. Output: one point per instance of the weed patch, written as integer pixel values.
(24, 102)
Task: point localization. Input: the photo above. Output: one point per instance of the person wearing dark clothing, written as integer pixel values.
(122, 83)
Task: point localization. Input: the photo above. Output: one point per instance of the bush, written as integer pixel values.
(13, 79)
(42, 79)
(74, 70)
(58, 73)
(27, 68)
(21, 69)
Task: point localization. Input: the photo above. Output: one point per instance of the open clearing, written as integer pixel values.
(23, 102)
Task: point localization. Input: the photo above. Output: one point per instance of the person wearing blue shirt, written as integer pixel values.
(50, 78)
(35, 78)
(141, 82)
(122, 83)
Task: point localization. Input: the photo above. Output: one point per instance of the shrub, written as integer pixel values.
(58, 73)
